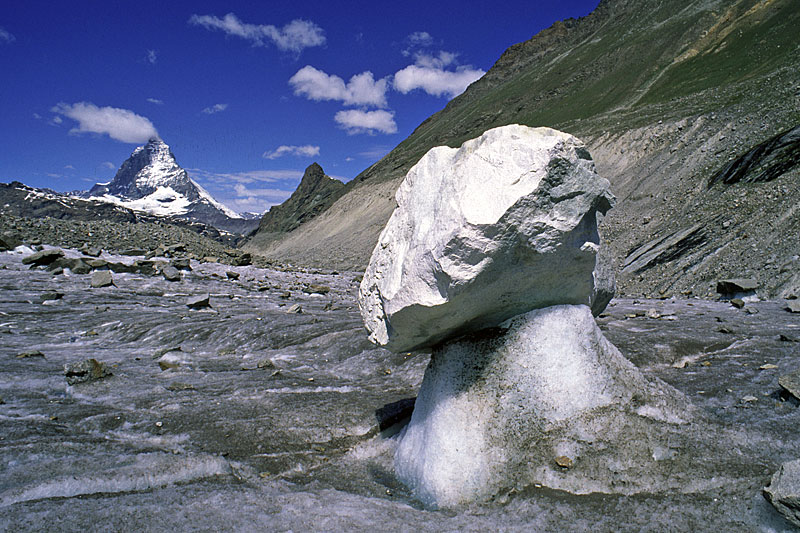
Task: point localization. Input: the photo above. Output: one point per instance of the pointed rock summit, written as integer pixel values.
(314, 195)
(151, 180)
(149, 167)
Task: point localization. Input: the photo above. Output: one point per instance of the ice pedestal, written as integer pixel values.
(544, 398)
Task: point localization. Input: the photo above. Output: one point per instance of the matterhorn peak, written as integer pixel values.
(151, 180)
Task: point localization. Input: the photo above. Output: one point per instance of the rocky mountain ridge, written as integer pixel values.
(666, 94)
(315, 193)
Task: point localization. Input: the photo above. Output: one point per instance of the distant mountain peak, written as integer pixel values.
(315, 193)
(152, 181)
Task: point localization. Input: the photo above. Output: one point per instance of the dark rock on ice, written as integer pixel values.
(736, 286)
(98, 264)
(230, 274)
(202, 301)
(316, 288)
(75, 265)
(86, 371)
(793, 306)
(783, 491)
(243, 259)
(44, 257)
(9, 240)
(102, 278)
(181, 263)
(132, 251)
(122, 268)
(395, 413)
(791, 383)
(171, 273)
(664, 249)
(50, 296)
(296, 309)
(30, 354)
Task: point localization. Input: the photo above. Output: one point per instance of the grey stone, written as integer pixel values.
(9, 240)
(243, 259)
(783, 491)
(132, 251)
(736, 286)
(316, 288)
(44, 257)
(30, 354)
(791, 383)
(605, 284)
(793, 306)
(51, 295)
(201, 301)
(171, 273)
(182, 263)
(86, 371)
(102, 278)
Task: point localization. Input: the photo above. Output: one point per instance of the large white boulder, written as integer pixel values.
(542, 399)
(502, 225)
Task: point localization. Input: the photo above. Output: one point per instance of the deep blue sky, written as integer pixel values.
(84, 83)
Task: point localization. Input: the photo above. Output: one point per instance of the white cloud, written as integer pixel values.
(444, 59)
(152, 56)
(216, 108)
(359, 121)
(293, 37)
(435, 80)
(108, 164)
(155, 101)
(120, 124)
(362, 89)
(375, 153)
(420, 38)
(69, 167)
(306, 150)
(250, 176)
(253, 191)
(37, 116)
(6, 37)
(57, 120)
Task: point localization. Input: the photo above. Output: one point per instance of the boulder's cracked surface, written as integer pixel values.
(502, 225)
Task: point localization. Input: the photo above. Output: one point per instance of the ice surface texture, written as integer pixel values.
(501, 410)
(502, 225)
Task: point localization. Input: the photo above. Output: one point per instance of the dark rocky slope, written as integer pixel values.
(315, 194)
(666, 94)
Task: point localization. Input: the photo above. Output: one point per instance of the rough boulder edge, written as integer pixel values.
(502, 225)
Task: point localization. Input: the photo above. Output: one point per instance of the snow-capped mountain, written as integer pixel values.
(151, 180)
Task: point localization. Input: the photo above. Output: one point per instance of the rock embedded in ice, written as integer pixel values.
(101, 278)
(201, 301)
(86, 371)
(783, 491)
(502, 225)
(43, 257)
(791, 383)
(498, 410)
(171, 273)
